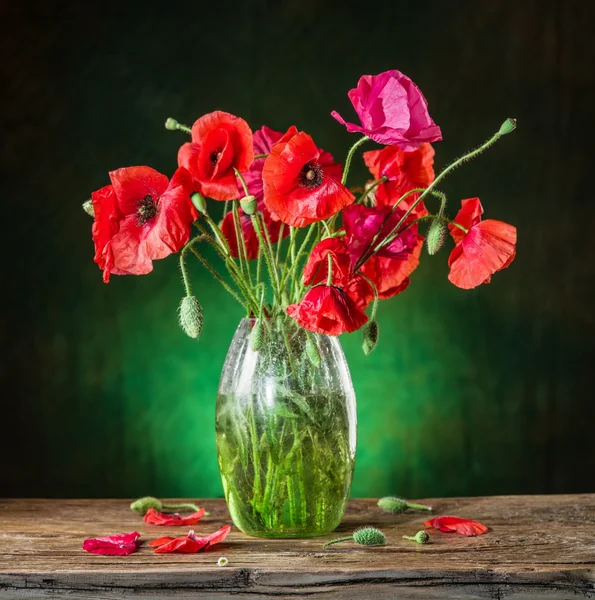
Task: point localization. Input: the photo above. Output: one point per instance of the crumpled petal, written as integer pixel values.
(190, 543)
(392, 110)
(113, 545)
(154, 517)
(458, 525)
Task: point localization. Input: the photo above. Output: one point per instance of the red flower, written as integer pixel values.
(113, 545)
(329, 310)
(302, 184)
(366, 225)
(488, 246)
(139, 218)
(189, 544)
(316, 269)
(154, 517)
(220, 143)
(405, 171)
(457, 525)
(392, 110)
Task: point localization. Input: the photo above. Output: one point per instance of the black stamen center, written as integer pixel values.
(311, 175)
(147, 209)
(215, 156)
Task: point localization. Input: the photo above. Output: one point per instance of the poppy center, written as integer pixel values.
(215, 156)
(311, 175)
(146, 210)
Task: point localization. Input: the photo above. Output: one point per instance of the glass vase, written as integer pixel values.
(286, 430)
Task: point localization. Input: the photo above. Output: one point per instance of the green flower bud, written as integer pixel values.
(369, 536)
(369, 337)
(312, 351)
(421, 537)
(171, 124)
(256, 336)
(508, 126)
(435, 236)
(199, 203)
(393, 505)
(142, 505)
(190, 316)
(88, 208)
(248, 204)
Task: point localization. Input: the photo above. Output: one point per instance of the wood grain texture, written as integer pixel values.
(537, 546)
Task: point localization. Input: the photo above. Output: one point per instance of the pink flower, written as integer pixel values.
(113, 545)
(392, 110)
(189, 544)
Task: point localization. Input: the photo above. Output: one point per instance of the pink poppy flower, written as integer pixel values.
(113, 545)
(154, 517)
(457, 525)
(392, 110)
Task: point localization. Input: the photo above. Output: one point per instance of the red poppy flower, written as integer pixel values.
(329, 310)
(154, 517)
(358, 288)
(113, 545)
(139, 218)
(220, 143)
(488, 246)
(190, 543)
(405, 171)
(316, 269)
(392, 110)
(302, 184)
(250, 237)
(456, 525)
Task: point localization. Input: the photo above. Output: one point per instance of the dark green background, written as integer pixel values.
(482, 392)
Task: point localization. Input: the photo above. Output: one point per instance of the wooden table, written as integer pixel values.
(537, 547)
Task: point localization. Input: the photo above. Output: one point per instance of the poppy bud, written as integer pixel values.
(435, 237)
(508, 126)
(421, 537)
(142, 505)
(88, 208)
(190, 316)
(199, 203)
(248, 204)
(398, 505)
(256, 336)
(369, 337)
(171, 124)
(369, 536)
(312, 351)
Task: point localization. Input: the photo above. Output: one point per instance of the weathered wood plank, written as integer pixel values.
(537, 546)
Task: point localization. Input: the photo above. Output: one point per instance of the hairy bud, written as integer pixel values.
(370, 334)
(435, 236)
(191, 316)
(256, 336)
(312, 351)
(199, 203)
(171, 124)
(369, 536)
(142, 505)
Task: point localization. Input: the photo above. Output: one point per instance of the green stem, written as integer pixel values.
(185, 277)
(369, 190)
(418, 506)
(274, 276)
(350, 154)
(256, 156)
(457, 163)
(375, 304)
(341, 539)
(184, 506)
(280, 242)
(241, 242)
(220, 279)
(329, 277)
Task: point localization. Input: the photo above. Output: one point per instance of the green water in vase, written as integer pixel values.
(286, 432)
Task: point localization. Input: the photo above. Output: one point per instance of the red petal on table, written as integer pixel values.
(188, 544)
(160, 541)
(113, 545)
(218, 536)
(154, 517)
(457, 525)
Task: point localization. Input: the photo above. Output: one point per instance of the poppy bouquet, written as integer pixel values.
(297, 238)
